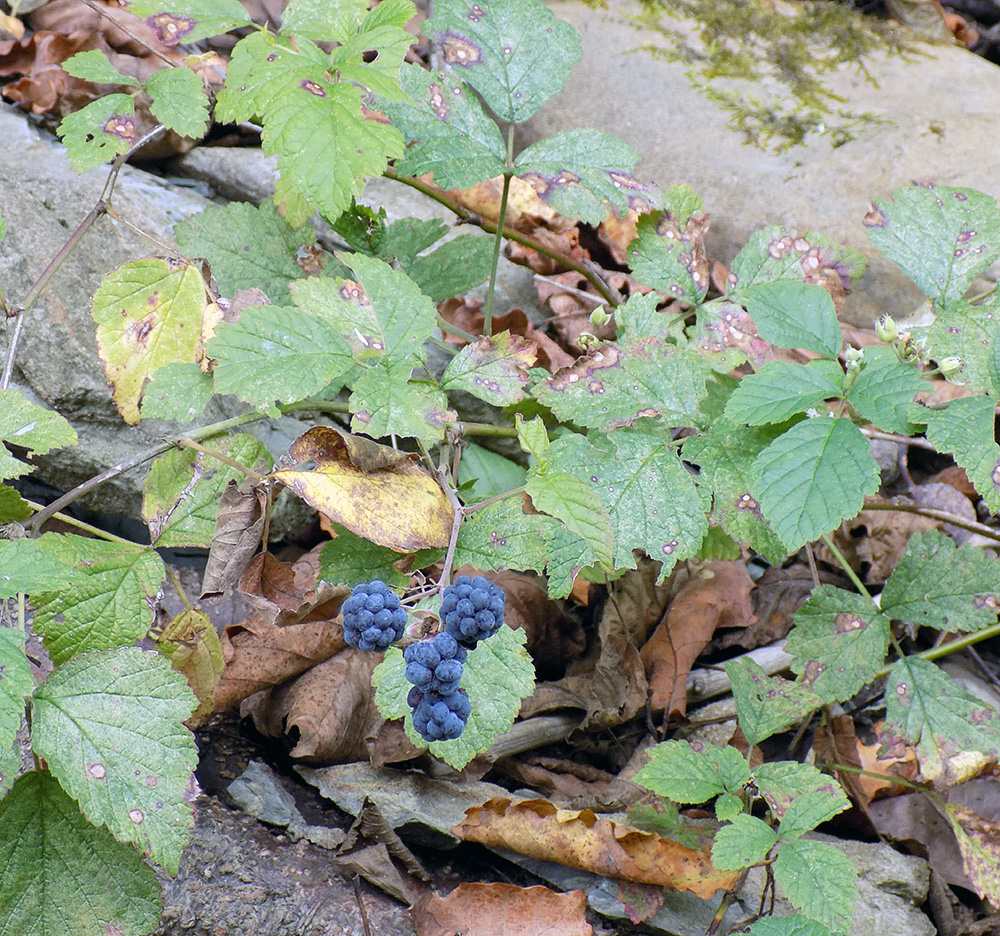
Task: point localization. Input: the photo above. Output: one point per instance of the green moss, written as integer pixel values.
(766, 67)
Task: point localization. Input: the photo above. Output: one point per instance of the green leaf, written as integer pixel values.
(726, 336)
(965, 429)
(693, 773)
(59, 874)
(179, 101)
(401, 241)
(13, 508)
(148, 313)
(578, 505)
(103, 129)
(178, 391)
(725, 455)
(782, 389)
(718, 544)
(275, 353)
(580, 172)
(639, 318)
(534, 439)
(326, 139)
(728, 806)
(10, 765)
(385, 403)
(384, 31)
(26, 567)
(503, 536)
(631, 470)
(94, 66)
(941, 237)
(516, 54)
(350, 559)
(618, 384)
(16, 683)
(812, 477)
(495, 369)
(29, 426)
(745, 842)
(809, 810)
(930, 710)
(790, 314)
(766, 704)
(454, 268)
(246, 246)
(110, 606)
(838, 642)
(884, 390)
(660, 259)
(109, 725)
(818, 879)
(792, 925)
(453, 139)
(967, 332)
(498, 676)
(782, 782)
(938, 584)
(778, 253)
(182, 490)
(331, 20)
(180, 21)
(487, 474)
(567, 555)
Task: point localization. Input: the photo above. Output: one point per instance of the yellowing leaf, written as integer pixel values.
(398, 504)
(979, 842)
(191, 644)
(148, 313)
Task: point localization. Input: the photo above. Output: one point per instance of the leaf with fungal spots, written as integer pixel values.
(385, 402)
(103, 129)
(190, 20)
(495, 369)
(965, 429)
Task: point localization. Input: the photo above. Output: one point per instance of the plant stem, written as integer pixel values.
(466, 428)
(845, 565)
(912, 441)
(945, 649)
(124, 27)
(497, 244)
(86, 527)
(472, 508)
(456, 526)
(445, 325)
(225, 459)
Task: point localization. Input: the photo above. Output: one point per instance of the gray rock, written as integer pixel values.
(943, 113)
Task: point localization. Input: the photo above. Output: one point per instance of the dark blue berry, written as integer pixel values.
(373, 617)
(435, 664)
(439, 717)
(472, 609)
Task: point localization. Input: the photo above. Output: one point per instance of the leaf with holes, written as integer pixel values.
(495, 369)
(812, 477)
(384, 32)
(965, 429)
(103, 129)
(109, 725)
(782, 389)
(941, 237)
(149, 313)
(965, 331)
(31, 427)
(516, 54)
(54, 869)
(884, 390)
(110, 606)
(838, 642)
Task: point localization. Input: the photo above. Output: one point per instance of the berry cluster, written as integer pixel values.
(373, 617)
(472, 609)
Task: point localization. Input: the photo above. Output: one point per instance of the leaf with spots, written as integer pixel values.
(941, 237)
(938, 584)
(885, 389)
(838, 642)
(927, 708)
(819, 880)
(495, 369)
(179, 392)
(384, 32)
(581, 172)
(179, 101)
(782, 389)
(578, 505)
(55, 869)
(668, 262)
(16, 682)
(640, 318)
(967, 332)
(103, 129)
(812, 477)
(322, 20)
(725, 455)
(246, 246)
(498, 675)
(385, 402)
(648, 493)
(979, 842)
(516, 54)
(502, 536)
(693, 772)
(148, 313)
(185, 21)
(181, 492)
(109, 725)
(619, 384)
(790, 314)
(766, 704)
(110, 606)
(782, 782)
(31, 427)
(965, 429)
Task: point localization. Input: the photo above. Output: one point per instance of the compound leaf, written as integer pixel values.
(29, 426)
(666, 262)
(766, 704)
(693, 773)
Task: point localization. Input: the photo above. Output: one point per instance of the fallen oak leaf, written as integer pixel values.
(538, 829)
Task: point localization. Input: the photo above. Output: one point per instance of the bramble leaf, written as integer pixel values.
(782, 389)
(495, 369)
(25, 567)
(941, 237)
(503, 536)
(498, 675)
(665, 262)
(818, 879)
(189, 641)
(322, 19)
(515, 54)
(16, 682)
(766, 704)
(884, 390)
(178, 391)
(182, 489)
(744, 842)
(350, 559)
(938, 584)
(179, 101)
(13, 509)
(976, 838)
(29, 426)
(965, 429)
(578, 505)
(385, 402)
(782, 782)
(791, 314)
(93, 65)
(483, 474)
(794, 924)
(639, 318)
(808, 810)
(384, 31)
(54, 875)
(109, 725)
(105, 128)
(967, 332)
(190, 20)
(454, 268)
(534, 439)
(693, 773)
(812, 477)
(111, 604)
(838, 642)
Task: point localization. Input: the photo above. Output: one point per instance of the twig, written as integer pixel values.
(912, 441)
(361, 904)
(456, 525)
(128, 31)
(943, 515)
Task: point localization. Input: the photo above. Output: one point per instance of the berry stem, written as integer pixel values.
(456, 525)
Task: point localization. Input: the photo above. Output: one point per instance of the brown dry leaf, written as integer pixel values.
(43, 82)
(391, 745)
(11, 27)
(582, 840)
(287, 594)
(191, 644)
(374, 491)
(238, 530)
(562, 243)
(617, 233)
(955, 476)
(331, 707)
(69, 16)
(571, 298)
(979, 842)
(501, 910)
(717, 596)
(557, 778)
(526, 212)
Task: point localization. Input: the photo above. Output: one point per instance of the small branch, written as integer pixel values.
(946, 649)
(225, 459)
(846, 566)
(912, 441)
(86, 527)
(456, 525)
(943, 515)
(472, 508)
(125, 28)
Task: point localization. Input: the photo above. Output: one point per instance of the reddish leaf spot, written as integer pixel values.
(746, 502)
(459, 51)
(136, 815)
(370, 113)
(97, 771)
(120, 126)
(476, 13)
(875, 217)
(668, 548)
(814, 669)
(846, 623)
(170, 28)
(437, 101)
(152, 780)
(313, 88)
(995, 475)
